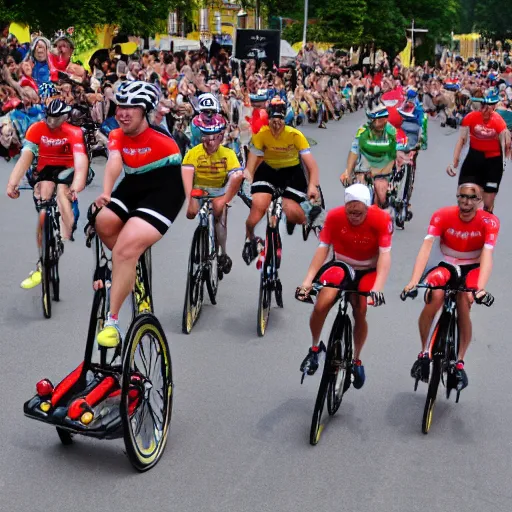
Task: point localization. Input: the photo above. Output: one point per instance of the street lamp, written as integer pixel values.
(304, 31)
(412, 30)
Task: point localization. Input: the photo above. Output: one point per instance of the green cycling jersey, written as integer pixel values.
(377, 149)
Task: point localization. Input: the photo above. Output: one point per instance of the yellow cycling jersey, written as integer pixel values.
(282, 152)
(211, 171)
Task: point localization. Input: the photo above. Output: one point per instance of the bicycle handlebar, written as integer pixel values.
(486, 300)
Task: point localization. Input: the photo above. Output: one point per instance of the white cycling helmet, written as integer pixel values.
(358, 192)
(207, 102)
(137, 94)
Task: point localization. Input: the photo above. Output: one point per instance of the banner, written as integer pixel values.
(20, 31)
(262, 45)
(405, 55)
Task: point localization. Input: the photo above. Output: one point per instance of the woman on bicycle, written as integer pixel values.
(218, 172)
(373, 153)
(467, 235)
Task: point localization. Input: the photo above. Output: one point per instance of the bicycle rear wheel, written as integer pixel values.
(340, 344)
(194, 292)
(55, 279)
(147, 392)
(45, 264)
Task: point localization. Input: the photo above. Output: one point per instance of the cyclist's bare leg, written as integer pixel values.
(464, 322)
(359, 308)
(380, 187)
(66, 211)
(489, 198)
(324, 302)
(220, 212)
(294, 212)
(427, 315)
(108, 226)
(260, 203)
(135, 237)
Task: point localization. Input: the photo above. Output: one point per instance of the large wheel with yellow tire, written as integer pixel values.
(147, 392)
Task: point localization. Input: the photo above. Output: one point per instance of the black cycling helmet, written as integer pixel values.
(277, 108)
(57, 108)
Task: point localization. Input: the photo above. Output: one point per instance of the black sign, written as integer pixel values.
(262, 45)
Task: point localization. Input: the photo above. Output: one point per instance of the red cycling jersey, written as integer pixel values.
(462, 242)
(483, 136)
(145, 152)
(54, 147)
(359, 246)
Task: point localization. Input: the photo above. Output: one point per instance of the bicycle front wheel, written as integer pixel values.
(317, 425)
(146, 393)
(264, 303)
(340, 346)
(194, 292)
(433, 386)
(212, 273)
(45, 263)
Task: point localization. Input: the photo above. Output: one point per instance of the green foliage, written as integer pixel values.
(493, 19)
(132, 17)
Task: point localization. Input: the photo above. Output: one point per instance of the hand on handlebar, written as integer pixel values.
(345, 178)
(102, 200)
(410, 290)
(302, 294)
(483, 297)
(12, 191)
(451, 170)
(376, 299)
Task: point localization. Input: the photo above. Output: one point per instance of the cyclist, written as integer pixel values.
(360, 235)
(468, 235)
(146, 201)
(373, 153)
(275, 162)
(208, 104)
(52, 149)
(487, 133)
(217, 171)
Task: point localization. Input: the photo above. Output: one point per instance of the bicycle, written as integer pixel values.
(444, 341)
(401, 187)
(203, 265)
(337, 371)
(269, 262)
(126, 393)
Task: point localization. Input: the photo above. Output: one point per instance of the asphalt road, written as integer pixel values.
(241, 419)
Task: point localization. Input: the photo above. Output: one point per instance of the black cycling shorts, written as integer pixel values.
(156, 196)
(290, 179)
(486, 172)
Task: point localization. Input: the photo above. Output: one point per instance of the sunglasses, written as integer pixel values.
(469, 197)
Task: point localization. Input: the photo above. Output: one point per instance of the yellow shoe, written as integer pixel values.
(109, 336)
(32, 280)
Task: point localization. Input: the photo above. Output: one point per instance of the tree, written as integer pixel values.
(493, 19)
(141, 17)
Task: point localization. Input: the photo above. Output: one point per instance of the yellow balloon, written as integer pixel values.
(21, 32)
(128, 48)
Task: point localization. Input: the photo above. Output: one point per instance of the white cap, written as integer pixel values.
(358, 192)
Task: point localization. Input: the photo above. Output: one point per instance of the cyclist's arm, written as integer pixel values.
(383, 266)
(81, 165)
(312, 168)
(463, 137)
(505, 143)
(112, 171)
(21, 167)
(352, 159)
(316, 263)
(485, 267)
(187, 175)
(422, 259)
